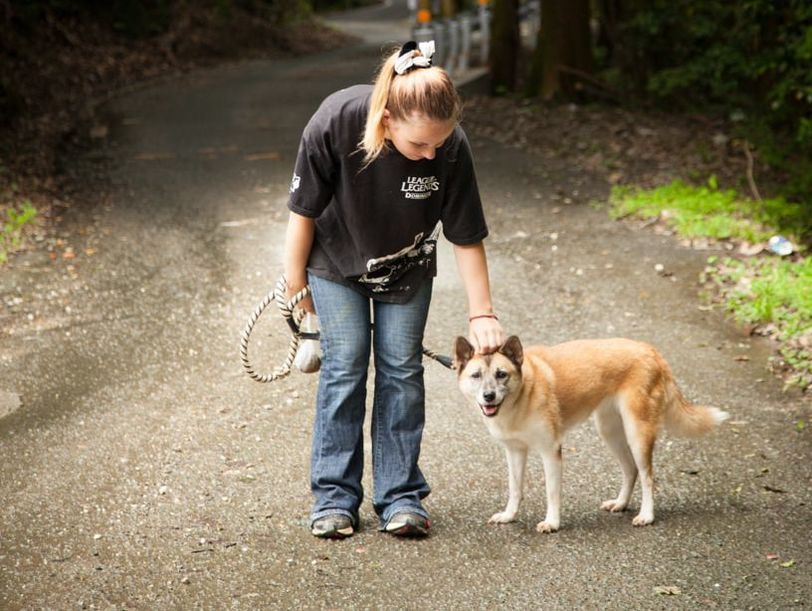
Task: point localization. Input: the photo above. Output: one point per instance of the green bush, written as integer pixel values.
(750, 59)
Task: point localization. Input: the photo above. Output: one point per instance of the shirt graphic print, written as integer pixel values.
(384, 272)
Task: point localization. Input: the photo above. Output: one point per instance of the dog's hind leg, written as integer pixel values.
(516, 460)
(552, 483)
(610, 427)
(641, 433)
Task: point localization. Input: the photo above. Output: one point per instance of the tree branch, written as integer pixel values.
(750, 178)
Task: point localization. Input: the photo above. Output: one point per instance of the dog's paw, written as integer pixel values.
(641, 520)
(546, 527)
(503, 517)
(613, 506)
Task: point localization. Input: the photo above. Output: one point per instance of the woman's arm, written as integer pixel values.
(486, 333)
(298, 242)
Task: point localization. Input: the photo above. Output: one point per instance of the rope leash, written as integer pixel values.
(293, 318)
(287, 308)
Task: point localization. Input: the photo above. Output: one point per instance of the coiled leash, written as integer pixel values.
(293, 317)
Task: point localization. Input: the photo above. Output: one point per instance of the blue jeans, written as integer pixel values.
(398, 408)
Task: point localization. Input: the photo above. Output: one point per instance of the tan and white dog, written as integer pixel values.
(530, 398)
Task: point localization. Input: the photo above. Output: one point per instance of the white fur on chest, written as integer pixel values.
(531, 433)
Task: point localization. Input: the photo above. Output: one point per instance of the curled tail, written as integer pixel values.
(689, 420)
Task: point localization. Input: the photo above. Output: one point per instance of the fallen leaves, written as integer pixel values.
(9, 402)
(787, 564)
(667, 590)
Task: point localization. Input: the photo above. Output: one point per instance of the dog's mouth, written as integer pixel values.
(489, 409)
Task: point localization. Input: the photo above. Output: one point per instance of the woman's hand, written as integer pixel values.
(486, 334)
(295, 283)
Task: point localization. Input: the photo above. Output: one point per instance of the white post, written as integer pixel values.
(452, 61)
(423, 33)
(440, 43)
(485, 33)
(534, 20)
(465, 42)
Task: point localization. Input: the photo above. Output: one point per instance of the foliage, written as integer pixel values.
(709, 211)
(134, 18)
(748, 59)
(774, 293)
(145, 18)
(11, 231)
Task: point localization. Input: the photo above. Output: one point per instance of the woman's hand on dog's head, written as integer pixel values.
(486, 335)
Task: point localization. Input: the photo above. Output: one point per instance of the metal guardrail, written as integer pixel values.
(454, 38)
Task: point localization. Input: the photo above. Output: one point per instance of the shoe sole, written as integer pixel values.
(409, 530)
(341, 533)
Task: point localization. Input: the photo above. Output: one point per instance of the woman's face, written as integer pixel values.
(417, 138)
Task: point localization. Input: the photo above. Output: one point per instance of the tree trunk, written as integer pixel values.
(504, 51)
(563, 55)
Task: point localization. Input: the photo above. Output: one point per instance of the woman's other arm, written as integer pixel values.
(485, 332)
(298, 242)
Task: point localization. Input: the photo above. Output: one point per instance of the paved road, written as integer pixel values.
(140, 468)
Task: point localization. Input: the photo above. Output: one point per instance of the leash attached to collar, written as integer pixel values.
(293, 317)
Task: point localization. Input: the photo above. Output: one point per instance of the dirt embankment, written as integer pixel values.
(54, 72)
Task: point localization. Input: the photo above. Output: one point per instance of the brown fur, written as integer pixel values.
(530, 398)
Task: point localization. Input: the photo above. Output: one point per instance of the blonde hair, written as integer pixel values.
(428, 92)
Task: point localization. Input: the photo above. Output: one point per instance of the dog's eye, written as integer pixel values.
(476, 375)
(500, 374)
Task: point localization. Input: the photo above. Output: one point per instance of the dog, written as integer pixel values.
(530, 398)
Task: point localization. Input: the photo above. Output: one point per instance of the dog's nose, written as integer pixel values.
(489, 396)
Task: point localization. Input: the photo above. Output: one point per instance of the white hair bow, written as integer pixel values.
(415, 57)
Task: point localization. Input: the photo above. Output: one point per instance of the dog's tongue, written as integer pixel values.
(489, 410)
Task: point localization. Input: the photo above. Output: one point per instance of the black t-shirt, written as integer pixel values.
(377, 226)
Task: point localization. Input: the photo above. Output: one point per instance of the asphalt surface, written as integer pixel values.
(141, 468)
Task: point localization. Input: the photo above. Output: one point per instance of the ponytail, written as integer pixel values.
(374, 141)
(428, 92)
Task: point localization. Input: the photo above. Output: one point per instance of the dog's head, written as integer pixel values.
(489, 379)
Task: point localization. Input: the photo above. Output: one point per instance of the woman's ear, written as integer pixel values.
(385, 119)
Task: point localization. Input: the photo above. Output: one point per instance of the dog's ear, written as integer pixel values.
(463, 351)
(512, 348)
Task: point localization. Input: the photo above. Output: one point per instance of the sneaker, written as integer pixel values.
(408, 524)
(334, 526)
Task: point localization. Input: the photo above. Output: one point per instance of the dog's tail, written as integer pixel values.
(686, 419)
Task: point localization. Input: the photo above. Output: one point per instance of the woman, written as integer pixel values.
(363, 228)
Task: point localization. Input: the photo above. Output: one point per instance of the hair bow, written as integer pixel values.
(413, 55)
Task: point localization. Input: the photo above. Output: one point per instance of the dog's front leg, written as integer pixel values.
(516, 461)
(552, 483)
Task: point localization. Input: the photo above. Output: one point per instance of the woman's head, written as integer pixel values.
(416, 110)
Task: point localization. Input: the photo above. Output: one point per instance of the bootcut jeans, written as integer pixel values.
(398, 407)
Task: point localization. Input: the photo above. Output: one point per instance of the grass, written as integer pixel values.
(708, 211)
(769, 292)
(15, 213)
(11, 231)
(775, 294)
